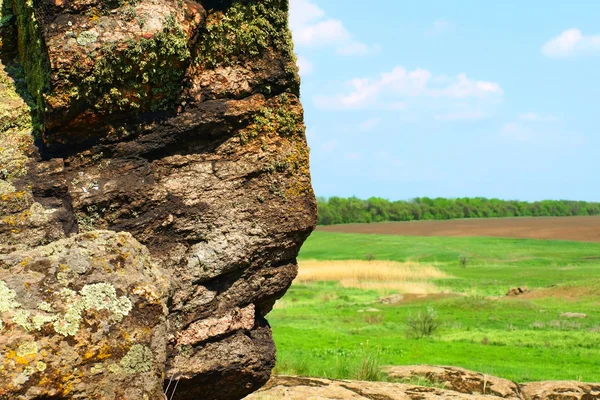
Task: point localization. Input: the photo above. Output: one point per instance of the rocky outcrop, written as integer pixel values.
(458, 379)
(297, 388)
(561, 390)
(177, 125)
(455, 381)
(83, 317)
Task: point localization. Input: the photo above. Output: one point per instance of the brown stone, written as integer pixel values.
(298, 388)
(561, 390)
(458, 379)
(187, 138)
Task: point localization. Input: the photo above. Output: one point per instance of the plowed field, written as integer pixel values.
(584, 229)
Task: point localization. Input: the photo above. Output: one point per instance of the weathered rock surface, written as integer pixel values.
(561, 390)
(458, 386)
(297, 388)
(82, 317)
(458, 379)
(179, 123)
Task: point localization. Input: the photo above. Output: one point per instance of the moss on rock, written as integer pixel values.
(139, 75)
(33, 55)
(244, 32)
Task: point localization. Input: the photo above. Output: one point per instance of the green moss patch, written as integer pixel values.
(33, 55)
(244, 32)
(143, 74)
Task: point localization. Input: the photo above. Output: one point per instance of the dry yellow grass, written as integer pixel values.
(407, 277)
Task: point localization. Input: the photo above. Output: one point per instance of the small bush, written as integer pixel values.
(464, 261)
(424, 324)
(370, 257)
(369, 368)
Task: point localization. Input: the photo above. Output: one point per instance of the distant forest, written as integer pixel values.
(336, 210)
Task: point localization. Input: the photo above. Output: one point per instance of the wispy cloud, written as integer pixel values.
(530, 127)
(439, 27)
(352, 156)
(312, 28)
(369, 124)
(329, 146)
(535, 117)
(471, 115)
(570, 43)
(391, 90)
(518, 132)
(306, 67)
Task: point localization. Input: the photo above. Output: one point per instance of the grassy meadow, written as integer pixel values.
(347, 313)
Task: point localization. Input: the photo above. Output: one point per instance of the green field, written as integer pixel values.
(319, 330)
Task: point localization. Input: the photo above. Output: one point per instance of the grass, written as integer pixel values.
(405, 277)
(322, 326)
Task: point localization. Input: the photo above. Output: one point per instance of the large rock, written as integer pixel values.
(179, 123)
(298, 388)
(83, 317)
(561, 390)
(458, 379)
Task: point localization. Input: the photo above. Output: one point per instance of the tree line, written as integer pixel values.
(337, 210)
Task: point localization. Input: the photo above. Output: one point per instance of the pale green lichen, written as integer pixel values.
(7, 298)
(40, 366)
(68, 295)
(138, 359)
(96, 369)
(87, 37)
(69, 324)
(115, 368)
(21, 318)
(103, 296)
(27, 349)
(97, 296)
(45, 306)
(39, 320)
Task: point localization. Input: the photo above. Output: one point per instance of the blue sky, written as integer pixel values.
(406, 99)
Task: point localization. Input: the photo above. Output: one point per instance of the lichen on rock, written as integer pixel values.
(155, 192)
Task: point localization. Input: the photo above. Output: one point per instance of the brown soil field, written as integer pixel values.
(583, 229)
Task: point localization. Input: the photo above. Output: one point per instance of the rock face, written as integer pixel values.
(561, 390)
(176, 124)
(296, 388)
(458, 379)
(83, 317)
(453, 379)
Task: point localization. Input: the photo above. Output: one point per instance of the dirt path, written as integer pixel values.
(584, 229)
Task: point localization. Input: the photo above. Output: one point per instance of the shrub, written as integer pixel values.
(369, 256)
(369, 368)
(424, 324)
(464, 261)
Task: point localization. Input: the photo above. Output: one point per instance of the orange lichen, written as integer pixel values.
(104, 352)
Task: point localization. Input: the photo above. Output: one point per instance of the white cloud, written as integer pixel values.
(571, 42)
(535, 117)
(438, 27)
(306, 67)
(391, 90)
(355, 48)
(311, 28)
(369, 124)
(517, 132)
(329, 32)
(329, 146)
(472, 115)
(352, 156)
